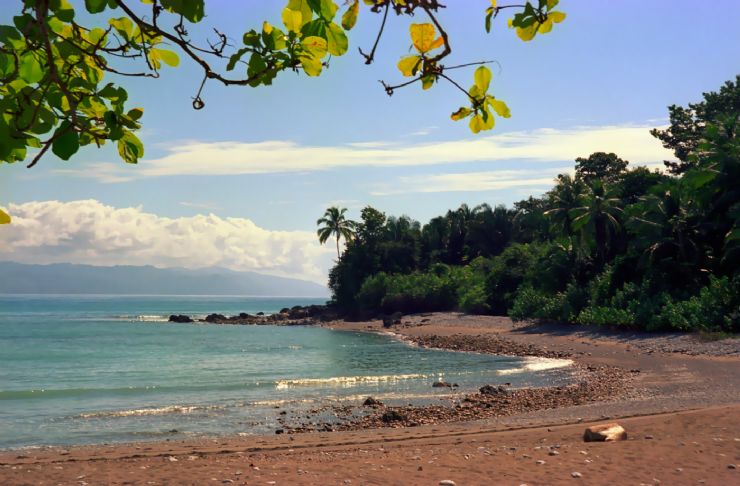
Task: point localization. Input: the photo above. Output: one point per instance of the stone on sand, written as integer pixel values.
(604, 432)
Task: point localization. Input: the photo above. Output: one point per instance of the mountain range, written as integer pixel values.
(67, 278)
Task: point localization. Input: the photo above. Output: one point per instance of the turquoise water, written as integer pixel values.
(97, 369)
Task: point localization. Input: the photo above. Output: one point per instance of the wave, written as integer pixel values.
(538, 364)
(139, 412)
(346, 381)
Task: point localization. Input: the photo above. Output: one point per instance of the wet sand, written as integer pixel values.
(680, 407)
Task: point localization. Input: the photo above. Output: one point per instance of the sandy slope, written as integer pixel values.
(667, 447)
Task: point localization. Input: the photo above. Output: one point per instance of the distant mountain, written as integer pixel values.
(66, 278)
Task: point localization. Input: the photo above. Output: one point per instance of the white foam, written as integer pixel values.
(346, 381)
(538, 364)
(146, 411)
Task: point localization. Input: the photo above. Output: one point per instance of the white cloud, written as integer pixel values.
(474, 181)
(93, 233)
(631, 142)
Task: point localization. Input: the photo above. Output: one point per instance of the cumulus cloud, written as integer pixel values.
(93, 233)
(631, 142)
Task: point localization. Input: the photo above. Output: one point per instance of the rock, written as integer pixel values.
(393, 416)
(215, 318)
(441, 384)
(576, 474)
(387, 322)
(731, 466)
(493, 390)
(605, 432)
(172, 459)
(540, 462)
(371, 402)
(553, 453)
(447, 482)
(396, 317)
(179, 318)
(279, 431)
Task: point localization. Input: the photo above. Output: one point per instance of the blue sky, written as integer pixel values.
(277, 156)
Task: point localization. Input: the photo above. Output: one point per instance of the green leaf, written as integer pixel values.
(63, 10)
(135, 113)
(95, 6)
(326, 9)
(338, 43)
(311, 65)
(427, 81)
(29, 68)
(123, 25)
(130, 148)
(193, 10)
(4, 217)
(349, 19)
(67, 144)
(482, 78)
(168, 57)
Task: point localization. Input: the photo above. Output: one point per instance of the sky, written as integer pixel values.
(241, 182)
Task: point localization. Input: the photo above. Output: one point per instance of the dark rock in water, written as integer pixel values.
(260, 313)
(371, 402)
(244, 315)
(493, 390)
(441, 384)
(393, 416)
(215, 318)
(180, 318)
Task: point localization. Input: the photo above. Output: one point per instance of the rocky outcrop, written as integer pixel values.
(179, 318)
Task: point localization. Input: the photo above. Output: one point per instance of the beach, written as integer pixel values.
(676, 396)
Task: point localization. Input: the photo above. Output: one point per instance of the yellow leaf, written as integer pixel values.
(476, 124)
(422, 36)
(482, 78)
(499, 107)
(461, 113)
(488, 121)
(409, 65)
(528, 33)
(437, 43)
(545, 26)
(493, 3)
(316, 46)
(267, 27)
(311, 65)
(4, 217)
(556, 17)
(292, 20)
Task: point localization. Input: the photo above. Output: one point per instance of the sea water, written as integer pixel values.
(99, 369)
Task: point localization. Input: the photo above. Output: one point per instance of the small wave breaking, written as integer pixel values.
(346, 381)
(140, 412)
(537, 364)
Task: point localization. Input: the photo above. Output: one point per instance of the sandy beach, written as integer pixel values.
(676, 396)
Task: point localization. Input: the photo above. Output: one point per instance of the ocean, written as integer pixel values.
(92, 369)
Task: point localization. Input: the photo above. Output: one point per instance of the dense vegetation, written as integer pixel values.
(608, 246)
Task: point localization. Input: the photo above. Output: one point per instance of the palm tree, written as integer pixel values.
(335, 224)
(599, 216)
(563, 198)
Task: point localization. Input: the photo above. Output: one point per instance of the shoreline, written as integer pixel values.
(670, 389)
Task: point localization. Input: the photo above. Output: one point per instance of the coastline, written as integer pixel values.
(680, 397)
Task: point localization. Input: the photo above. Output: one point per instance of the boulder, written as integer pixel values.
(215, 318)
(371, 402)
(493, 390)
(604, 432)
(393, 416)
(180, 318)
(441, 384)
(387, 322)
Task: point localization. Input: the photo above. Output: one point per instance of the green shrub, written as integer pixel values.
(715, 308)
(533, 304)
(606, 317)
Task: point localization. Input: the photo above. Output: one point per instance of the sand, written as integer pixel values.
(681, 410)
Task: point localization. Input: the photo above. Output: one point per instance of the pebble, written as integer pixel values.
(732, 466)
(553, 453)
(172, 459)
(649, 437)
(679, 469)
(447, 482)
(540, 462)
(576, 474)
